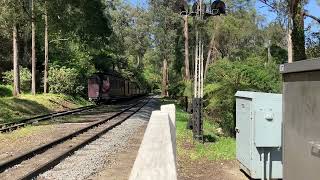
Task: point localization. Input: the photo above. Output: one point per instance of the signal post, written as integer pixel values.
(200, 12)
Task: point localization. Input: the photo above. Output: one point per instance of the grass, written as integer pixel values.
(5, 90)
(215, 147)
(26, 105)
(23, 132)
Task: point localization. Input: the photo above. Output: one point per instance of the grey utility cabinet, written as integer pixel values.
(258, 128)
(301, 120)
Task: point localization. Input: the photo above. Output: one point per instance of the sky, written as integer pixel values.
(312, 7)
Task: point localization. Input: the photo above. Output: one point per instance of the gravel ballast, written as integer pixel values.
(93, 157)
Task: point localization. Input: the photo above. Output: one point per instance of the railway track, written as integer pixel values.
(7, 127)
(30, 164)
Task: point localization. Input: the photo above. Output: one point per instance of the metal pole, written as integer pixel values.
(198, 76)
(202, 73)
(199, 69)
(196, 66)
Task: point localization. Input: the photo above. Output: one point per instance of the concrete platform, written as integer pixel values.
(156, 158)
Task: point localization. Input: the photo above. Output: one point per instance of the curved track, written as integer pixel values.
(41, 159)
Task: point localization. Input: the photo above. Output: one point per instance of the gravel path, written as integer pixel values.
(92, 158)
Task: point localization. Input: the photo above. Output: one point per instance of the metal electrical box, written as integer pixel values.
(301, 120)
(259, 128)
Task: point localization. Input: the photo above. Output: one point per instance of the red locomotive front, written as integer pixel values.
(98, 88)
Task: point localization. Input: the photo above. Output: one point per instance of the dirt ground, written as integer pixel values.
(26, 139)
(209, 170)
(30, 137)
(119, 165)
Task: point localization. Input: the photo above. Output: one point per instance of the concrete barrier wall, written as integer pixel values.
(156, 159)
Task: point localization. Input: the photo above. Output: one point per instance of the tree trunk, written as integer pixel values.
(16, 72)
(164, 92)
(46, 51)
(192, 62)
(208, 61)
(26, 55)
(33, 54)
(269, 52)
(297, 36)
(138, 61)
(186, 49)
(290, 60)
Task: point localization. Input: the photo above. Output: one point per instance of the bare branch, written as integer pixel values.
(312, 17)
(56, 40)
(270, 5)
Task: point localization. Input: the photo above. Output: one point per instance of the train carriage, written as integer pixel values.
(99, 88)
(106, 87)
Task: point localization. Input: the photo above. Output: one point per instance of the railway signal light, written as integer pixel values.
(200, 11)
(216, 8)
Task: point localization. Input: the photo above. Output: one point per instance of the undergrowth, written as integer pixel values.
(215, 147)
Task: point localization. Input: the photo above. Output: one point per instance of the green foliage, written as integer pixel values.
(313, 52)
(181, 88)
(78, 31)
(225, 78)
(236, 35)
(313, 45)
(177, 89)
(65, 80)
(279, 55)
(25, 78)
(151, 71)
(188, 89)
(5, 90)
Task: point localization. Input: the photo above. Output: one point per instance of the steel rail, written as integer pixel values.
(18, 159)
(6, 127)
(49, 165)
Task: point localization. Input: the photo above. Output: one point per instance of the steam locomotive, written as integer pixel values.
(108, 87)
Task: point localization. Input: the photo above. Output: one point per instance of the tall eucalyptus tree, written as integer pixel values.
(295, 13)
(164, 21)
(33, 47)
(12, 19)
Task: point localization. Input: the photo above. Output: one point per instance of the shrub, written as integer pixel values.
(5, 90)
(225, 78)
(181, 88)
(25, 79)
(65, 80)
(176, 89)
